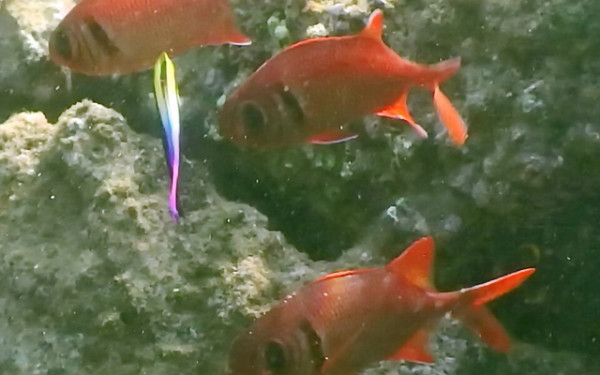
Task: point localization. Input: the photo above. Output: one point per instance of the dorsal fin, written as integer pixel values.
(415, 263)
(374, 26)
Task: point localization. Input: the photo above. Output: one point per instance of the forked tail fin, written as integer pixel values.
(478, 318)
(445, 69)
(448, 115)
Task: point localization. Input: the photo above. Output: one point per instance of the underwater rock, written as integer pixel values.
(27, 79)
(97, 276)
(36, 19)
(23, 138)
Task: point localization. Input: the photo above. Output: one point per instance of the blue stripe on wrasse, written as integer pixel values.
(167, 101)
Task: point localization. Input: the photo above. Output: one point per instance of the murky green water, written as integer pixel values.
(96, 278)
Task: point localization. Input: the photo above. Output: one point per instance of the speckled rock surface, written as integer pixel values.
(98, 279)
(36, 19)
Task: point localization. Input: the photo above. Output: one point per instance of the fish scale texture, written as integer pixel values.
(97, 279)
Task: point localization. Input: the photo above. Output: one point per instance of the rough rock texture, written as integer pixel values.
(97, 279)
(25, 27)
(36, 20)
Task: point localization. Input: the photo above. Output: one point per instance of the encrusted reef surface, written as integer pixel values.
(96, 278)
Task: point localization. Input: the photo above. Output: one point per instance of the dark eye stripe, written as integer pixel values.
(61, 43)
(275, 360)
(315, 347)
(101, 37)
(292, 105)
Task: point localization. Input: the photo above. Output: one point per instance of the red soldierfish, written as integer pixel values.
(101, 37)
(314, 88)
(344, 321)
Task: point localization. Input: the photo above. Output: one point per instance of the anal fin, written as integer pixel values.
(399, 111)
(414, 349)
(332, 137)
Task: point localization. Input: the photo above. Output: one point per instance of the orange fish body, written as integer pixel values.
(101, 37)
(312, 89)
(342, 322)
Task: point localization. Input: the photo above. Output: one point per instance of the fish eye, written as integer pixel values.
(253, 117)
(274, 357)
(62, 44)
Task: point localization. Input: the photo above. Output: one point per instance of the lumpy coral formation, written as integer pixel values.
(96, 275)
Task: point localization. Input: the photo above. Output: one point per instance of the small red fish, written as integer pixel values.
(313, 89)
(102, 37)
(343, 322)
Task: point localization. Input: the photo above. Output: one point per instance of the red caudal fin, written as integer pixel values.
(457, 130)
(477, 318)
(441, 71)
(416, 263)
(485, 326)
(484, 293)
(447, 114)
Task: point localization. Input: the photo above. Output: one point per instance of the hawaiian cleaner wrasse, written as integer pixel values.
(167, 100)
